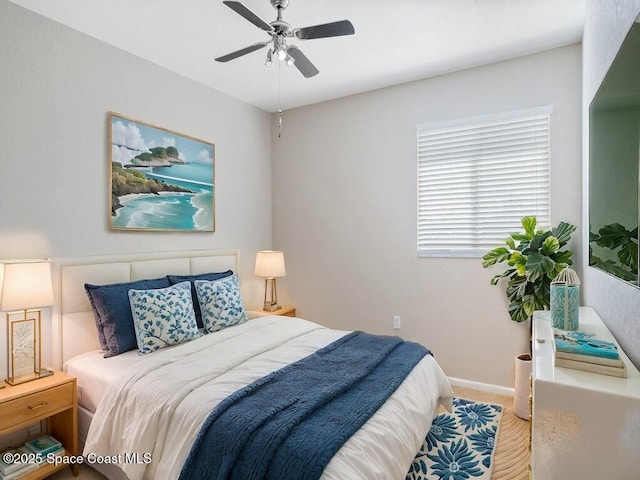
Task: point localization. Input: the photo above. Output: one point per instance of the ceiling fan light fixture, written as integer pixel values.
(279, 31)
(289, 59)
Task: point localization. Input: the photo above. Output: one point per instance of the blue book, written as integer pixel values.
(583, 343)
(43, 445)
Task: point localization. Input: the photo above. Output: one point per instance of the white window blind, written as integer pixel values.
(478, 177)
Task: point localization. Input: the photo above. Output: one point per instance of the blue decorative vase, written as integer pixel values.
(565, 300)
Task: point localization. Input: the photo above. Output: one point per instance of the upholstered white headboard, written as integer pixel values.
(73, 326)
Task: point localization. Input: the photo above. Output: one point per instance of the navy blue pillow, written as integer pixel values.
(96, 316)
(111, 307)
(201, 276)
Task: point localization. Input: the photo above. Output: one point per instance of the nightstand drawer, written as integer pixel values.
(36, 406)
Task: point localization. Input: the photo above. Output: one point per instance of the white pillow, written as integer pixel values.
(220, 302)
(163, 317)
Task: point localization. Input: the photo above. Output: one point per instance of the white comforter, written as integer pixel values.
(158, 406)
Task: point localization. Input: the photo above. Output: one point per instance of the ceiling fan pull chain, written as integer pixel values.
(279, 100)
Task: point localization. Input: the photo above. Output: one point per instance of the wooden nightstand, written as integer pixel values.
(283, 311)
(53, 399)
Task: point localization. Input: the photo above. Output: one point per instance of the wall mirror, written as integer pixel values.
(614, 160)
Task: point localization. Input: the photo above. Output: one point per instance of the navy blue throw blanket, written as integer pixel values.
(290, 423)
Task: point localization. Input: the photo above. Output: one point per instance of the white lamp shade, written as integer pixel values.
(270, 264)
(26, 285)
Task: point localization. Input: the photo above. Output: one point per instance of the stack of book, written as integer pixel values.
(583, 351)
(45, 445)
(16, 468)
(28, 457)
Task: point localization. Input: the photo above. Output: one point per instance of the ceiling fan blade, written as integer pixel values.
(239, 53)
(240, 9)
(302, 63)
(334, 29)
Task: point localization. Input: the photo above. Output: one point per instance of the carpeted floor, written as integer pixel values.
(86, 473)
(511, 460)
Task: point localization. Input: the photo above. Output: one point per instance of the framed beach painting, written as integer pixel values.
(161, 180)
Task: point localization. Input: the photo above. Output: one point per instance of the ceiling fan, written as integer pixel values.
(279, 30)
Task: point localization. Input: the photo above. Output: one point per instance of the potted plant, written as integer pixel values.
(534, 258)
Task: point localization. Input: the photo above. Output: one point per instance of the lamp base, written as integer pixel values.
(270, 301)
(28, 377)
(270, 307)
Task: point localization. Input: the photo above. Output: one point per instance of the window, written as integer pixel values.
(478, 177)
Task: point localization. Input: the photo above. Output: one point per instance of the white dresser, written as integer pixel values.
(585, 426)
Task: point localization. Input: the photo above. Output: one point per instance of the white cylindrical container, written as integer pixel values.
(522, 386)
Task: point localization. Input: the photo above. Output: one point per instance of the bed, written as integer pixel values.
(155, 405)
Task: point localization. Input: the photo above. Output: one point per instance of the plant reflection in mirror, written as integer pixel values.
(619, 252)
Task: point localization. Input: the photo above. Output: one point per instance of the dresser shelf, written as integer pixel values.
(584, 425)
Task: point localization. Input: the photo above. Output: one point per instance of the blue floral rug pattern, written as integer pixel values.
(459, 445)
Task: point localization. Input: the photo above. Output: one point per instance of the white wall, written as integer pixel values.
(344, 209)
(606, 24)
(56, 87)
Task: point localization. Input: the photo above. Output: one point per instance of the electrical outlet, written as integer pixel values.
(34, 429)
(396, 322)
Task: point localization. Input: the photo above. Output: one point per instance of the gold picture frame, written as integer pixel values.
(160, 180)
(24, 353)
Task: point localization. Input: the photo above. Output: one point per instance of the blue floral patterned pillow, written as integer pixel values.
(220, 302)
(173, 279)
(163, 317)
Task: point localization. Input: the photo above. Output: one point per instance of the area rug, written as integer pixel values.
(459, 445)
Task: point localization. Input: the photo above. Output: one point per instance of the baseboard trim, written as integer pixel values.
(483, 387)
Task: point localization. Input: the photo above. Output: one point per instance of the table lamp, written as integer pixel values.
(270, 265)
(25, 290)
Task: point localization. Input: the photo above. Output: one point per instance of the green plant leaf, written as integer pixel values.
(517, 287)
(550, 245)
(538, 240)
(529, 307)
(614, 235)
(529, 225)
(563, 232)
(497, 278)
(497, 255)
(517, 313)
(538, 266)
(611, 267)
(519, 262)
(563, 257)
(510, 242)
(542, 292)
(520, 237)
(556, 271)
(628, 255)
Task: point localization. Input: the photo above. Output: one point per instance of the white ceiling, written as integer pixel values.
(396, 41)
